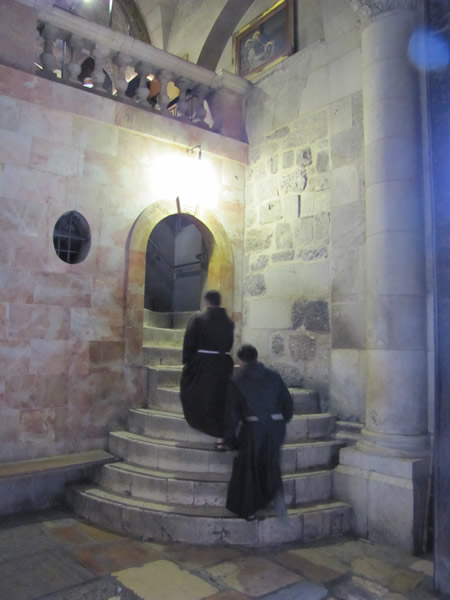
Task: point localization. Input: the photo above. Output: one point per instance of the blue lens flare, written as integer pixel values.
(428, 50)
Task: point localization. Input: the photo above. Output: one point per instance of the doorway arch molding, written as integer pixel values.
(220, 268)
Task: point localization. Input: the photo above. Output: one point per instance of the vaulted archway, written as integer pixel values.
(219, 276)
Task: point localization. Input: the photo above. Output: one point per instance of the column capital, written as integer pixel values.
(368, 10)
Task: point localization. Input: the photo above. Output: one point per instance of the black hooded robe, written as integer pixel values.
(259, 404)
(205, 375)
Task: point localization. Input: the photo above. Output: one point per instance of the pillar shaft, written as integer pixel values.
(396, 405)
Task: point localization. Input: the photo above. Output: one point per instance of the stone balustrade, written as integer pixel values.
(131, 70)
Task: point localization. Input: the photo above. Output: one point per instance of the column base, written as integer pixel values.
(396, 445)
(388, 495)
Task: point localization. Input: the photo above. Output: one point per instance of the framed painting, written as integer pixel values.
(265, 41)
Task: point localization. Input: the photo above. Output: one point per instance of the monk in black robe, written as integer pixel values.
(258, 407)
(207, 368)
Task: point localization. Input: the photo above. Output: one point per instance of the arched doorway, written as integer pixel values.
(218, 275)
(176, 265)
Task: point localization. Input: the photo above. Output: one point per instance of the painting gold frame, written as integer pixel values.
(265, 41)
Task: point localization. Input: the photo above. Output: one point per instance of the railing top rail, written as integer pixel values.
(149, 55)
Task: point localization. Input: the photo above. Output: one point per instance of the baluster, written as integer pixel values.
(183, 85)
(76, 45)
(200, 93)
(164, 78)
(50, 34)
(99, 54)
(142, 69)
(122, 61)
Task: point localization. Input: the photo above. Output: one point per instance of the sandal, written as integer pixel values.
(220, 447)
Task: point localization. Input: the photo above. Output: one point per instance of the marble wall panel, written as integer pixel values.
(9, 428)
(107, 291)
(38, 121)
(27, 321)
(50, 357)
(96, 324)
(32, 185)
(14, 356)
(98, 137)
(55, 158)
(106, 356)
(36, 391)
(15, 148)
(4, 316)
(62, 289)
(9, 113)
(37, 424)
(24, 86)
(15, 286)
(25, 252)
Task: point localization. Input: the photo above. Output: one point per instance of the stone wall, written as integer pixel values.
(64, 382)
(305, 217)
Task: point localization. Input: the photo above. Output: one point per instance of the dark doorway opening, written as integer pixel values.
(177, 258)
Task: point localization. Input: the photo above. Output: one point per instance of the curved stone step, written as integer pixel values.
(209, 526)
(168, 398)
(166, 320)
(164, 376)
(193, 457)
(166, 425)
(203, 489)
(161, 355)
(159, 336)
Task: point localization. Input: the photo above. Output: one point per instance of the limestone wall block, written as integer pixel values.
(341, 115)
(344, 185)
(258, 239)
(283, 236)
(258, 263)
(322, 227)
(348, 225)
(303, 230)
(254, 285)
(347, 384)
(345, 74)
(270, 211)
(345, 274)
(322, 202)
(313, 253)
(283, 256)
(348, 325)
(269, 312)
(302, 347)
(278, 345)
(317, 126)
(346, 147)
(316, 92)
(309, 280)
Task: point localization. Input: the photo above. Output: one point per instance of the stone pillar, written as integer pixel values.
(384, 476)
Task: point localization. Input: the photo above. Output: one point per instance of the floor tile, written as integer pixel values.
(25, 539)
(164, 580)
(306, 568)
(394, 578)
(100, 535)
(304, 590)
(102, 559)
(194, 557)
(228, 595)
(104, 588)
(39, 574)
(254, 576)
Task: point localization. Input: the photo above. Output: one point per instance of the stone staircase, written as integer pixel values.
(170, 484)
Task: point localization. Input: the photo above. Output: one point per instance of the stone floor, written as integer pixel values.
(55, 555)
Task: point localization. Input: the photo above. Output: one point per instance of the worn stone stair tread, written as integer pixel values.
(207, 446)
(156, 411)
(192, 510)
(202, 476)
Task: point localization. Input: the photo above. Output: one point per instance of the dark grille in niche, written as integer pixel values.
(72, 237)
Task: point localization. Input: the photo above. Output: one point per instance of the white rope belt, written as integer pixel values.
(211, 352)
(274, 417)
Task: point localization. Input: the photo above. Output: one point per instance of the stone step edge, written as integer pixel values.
(207, 447)
(173, 389)
(202, 476)
(212, 512)
(156, 411)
